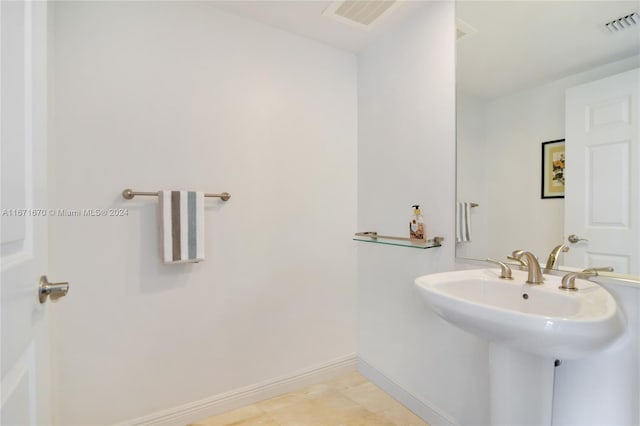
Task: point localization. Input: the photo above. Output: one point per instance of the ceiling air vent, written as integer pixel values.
(360, 13)
(623, 23)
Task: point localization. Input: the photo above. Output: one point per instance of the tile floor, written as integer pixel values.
(351, 400)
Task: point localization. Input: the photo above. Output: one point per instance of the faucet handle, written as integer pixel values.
(505, 270)
(599, 269)
(569, 280)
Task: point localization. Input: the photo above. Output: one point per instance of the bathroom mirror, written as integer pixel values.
(515, 60)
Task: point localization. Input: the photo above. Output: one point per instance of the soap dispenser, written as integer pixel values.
(416, 225)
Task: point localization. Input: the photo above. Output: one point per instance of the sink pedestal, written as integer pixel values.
(529, 327)
(521, 387)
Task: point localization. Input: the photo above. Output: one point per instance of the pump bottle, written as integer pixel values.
(416, 225)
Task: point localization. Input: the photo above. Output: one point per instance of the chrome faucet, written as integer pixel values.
(533, 267)
(552, 261)
(569, 280)
(522, 263)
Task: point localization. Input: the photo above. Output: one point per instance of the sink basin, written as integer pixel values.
(536, 319)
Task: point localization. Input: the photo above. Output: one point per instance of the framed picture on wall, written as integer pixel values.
(553, 169)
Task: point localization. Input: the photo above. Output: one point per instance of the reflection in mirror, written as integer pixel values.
(516, 63)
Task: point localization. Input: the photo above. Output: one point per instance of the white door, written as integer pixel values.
(24, 346)
(602, 192)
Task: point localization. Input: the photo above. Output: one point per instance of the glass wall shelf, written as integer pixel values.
(373, 237)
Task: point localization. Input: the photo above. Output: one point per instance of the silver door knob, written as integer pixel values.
(574, 239)
(52, 290)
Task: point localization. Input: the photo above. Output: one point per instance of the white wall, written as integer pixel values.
(179, 95)
(406, 155)
(508, 185)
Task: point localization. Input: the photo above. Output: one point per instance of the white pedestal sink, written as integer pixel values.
(529, 327)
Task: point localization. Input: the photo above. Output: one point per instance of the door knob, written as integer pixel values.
(574, 239)
(53, 290)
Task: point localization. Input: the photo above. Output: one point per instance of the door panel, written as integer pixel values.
(14, 122)
(608, 168)
(602, 201)
(24, 345)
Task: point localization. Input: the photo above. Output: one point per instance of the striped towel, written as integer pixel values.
(463, 222)
(182, 226)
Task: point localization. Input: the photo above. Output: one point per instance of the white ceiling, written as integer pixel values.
(526, 43)
(518, 44)
(304, 17)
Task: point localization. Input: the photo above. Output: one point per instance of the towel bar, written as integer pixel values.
(128, 194)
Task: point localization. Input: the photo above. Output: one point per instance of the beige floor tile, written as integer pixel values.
(370, 397)
(336, 401)
(316, 391)
(369, 420)
(350, 380)
(356, 417)
(232, 417)
(263, 420)
(348, 401)
(301, 413)
(402, 416)
(337, 408)
(280, 402)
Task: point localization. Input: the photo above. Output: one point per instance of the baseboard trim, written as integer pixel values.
(428, 412)
(198, 410)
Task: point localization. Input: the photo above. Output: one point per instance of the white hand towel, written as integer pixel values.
(463, 222)
(181, 226)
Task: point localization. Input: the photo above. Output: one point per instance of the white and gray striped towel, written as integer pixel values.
(181, 226)
(463, 222)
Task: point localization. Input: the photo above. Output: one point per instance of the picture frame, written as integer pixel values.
(553, 167)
